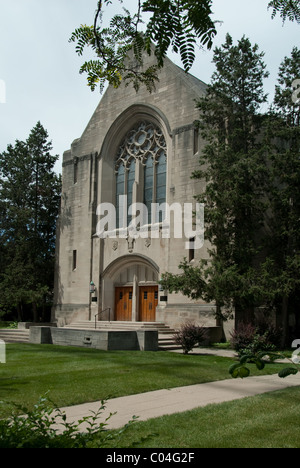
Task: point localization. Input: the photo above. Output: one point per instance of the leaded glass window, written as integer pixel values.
(161, 175)
(145, 145)
(130, 182)
(120, 188)
(148, 186)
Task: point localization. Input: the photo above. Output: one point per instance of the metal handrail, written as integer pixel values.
(101, 312)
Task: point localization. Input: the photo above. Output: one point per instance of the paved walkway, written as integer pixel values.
(164, 402)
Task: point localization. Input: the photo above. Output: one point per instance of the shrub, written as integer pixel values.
(250, 339)
(8, 324)
(242, 337)
(38, 429)
(272, 333)
(189, 335)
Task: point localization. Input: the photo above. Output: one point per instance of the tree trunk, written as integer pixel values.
(19, 312)
(35, 314)
(243, 315)
(285, 321)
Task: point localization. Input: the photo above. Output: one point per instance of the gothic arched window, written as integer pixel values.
(141, 159)
(148, 186)
(130, 183)
(161, 176)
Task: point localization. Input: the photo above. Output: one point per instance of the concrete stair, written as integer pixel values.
(14, 335)
(165, 333)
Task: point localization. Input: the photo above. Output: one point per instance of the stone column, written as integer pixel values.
(134, 316)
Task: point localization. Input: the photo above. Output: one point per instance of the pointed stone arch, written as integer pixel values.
(126, 283)
(124, 122)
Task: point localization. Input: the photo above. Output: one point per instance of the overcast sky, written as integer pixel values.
(39, 78)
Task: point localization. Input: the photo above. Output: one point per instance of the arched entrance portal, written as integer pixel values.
(130, 289)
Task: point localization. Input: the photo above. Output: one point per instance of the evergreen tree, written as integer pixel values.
(29, 200)
(284, 196)
(234, 169)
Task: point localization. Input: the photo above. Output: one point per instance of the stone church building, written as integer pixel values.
(137, 148)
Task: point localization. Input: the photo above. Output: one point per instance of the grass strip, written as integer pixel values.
(77, 375)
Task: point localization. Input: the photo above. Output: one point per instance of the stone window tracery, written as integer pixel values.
(144, 145)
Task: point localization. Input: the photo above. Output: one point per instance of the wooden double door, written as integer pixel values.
(148, 300)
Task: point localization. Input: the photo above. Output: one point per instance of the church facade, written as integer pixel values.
(134, 160)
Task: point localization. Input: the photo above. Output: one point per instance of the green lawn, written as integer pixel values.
(265, 421)
(77, 375)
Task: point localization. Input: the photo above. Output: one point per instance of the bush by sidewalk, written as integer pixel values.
(249, 338)
(37, 428)
(189, 336)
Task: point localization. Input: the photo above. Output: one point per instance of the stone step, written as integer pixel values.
(168, 347)
(167, 343)
(14, 336)
(165, 335)
(85, 324)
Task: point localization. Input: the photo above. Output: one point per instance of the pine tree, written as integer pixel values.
(29, 200)
(233, 167)
(284, 223)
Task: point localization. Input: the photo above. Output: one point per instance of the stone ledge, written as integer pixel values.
(129, 340)
(27, 325)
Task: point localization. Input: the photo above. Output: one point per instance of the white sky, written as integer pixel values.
(39, 69)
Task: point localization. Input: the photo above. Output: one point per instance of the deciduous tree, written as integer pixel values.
(287, 9)
(176, 24)
(155, 26)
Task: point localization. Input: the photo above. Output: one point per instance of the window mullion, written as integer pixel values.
(154, 189)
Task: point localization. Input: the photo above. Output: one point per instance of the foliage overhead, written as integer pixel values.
(119, 45)
(287, 9)
(180, 24)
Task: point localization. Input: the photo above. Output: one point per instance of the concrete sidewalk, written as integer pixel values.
(164, 402)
